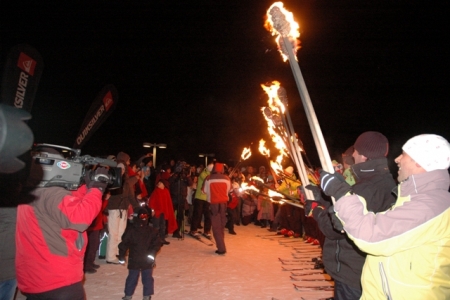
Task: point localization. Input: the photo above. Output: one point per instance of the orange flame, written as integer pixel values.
(275, 194)
(280, 22)
(276, 166)
(274, 101)
(246, 153)
(256, 178)
(245, 186)
(277, 106)
(262, 148)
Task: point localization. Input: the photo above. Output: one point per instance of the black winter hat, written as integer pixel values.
(372, 144)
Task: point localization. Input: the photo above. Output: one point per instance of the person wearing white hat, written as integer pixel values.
(407, 246)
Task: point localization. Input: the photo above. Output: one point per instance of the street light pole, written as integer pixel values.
(206, 155)
(154, 145)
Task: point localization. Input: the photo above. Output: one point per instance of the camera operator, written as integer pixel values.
(51, 238)
(179, 182)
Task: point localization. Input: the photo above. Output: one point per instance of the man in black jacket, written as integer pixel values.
(341, 258)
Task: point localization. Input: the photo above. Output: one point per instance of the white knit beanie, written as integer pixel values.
(430, 151)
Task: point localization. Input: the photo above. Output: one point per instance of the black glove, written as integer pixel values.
(97, 179)
(333, 185)
(318, 200)
(315, 190)
(337, 224)
(309, 206)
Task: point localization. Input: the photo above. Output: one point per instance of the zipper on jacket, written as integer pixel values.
(384, 282)
(338, 267)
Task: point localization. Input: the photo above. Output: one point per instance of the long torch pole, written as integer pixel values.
(298, 160)
(324, 155)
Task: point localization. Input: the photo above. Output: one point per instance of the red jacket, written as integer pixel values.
(161, 202)
(51, 238)
(217, 185)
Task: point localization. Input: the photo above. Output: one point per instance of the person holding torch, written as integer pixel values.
(408, 245)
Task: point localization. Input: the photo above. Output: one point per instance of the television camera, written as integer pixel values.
(54, 165)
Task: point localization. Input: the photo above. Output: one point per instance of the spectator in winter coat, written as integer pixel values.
(149, 175)
(201, 206)
(289, 217)
(265, 210)
(164, 219)
(232, 212)
(93, 233)
(407, 246)
(143, 242)
(118, 205)
(179, 182)
(248, 208)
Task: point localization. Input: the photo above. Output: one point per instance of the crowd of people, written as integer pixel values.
(380, 239)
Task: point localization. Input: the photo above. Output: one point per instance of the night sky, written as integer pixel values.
(188, 73)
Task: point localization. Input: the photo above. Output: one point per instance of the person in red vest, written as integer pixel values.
(216, 187)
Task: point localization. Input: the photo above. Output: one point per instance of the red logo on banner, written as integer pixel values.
(26, 63)
(108, 101)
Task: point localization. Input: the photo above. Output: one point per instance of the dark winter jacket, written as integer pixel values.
(122, 198)
(141, 240)
(178, 184)
(8, 244)
(342, 259)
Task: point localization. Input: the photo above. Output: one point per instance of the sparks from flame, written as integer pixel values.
(280, 22)
(246, 153)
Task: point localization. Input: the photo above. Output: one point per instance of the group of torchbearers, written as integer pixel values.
(380, 238)
(383, 239)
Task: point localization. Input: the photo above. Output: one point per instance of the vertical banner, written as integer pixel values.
(23, 70)
(100, 110)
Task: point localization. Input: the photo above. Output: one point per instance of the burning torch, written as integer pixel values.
(280, 128)
(246, 153)
(281, 23)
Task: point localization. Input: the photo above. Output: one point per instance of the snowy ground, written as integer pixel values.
(188, 269)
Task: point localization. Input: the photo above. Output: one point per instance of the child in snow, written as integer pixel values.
(143, 242)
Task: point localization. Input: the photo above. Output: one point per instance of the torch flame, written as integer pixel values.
(274, 101)
(280, 22)
(245, 186)
(246, 153)
(262, 148)
(256, 178)
(276, 166)
(273, 119)
(275, 194)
